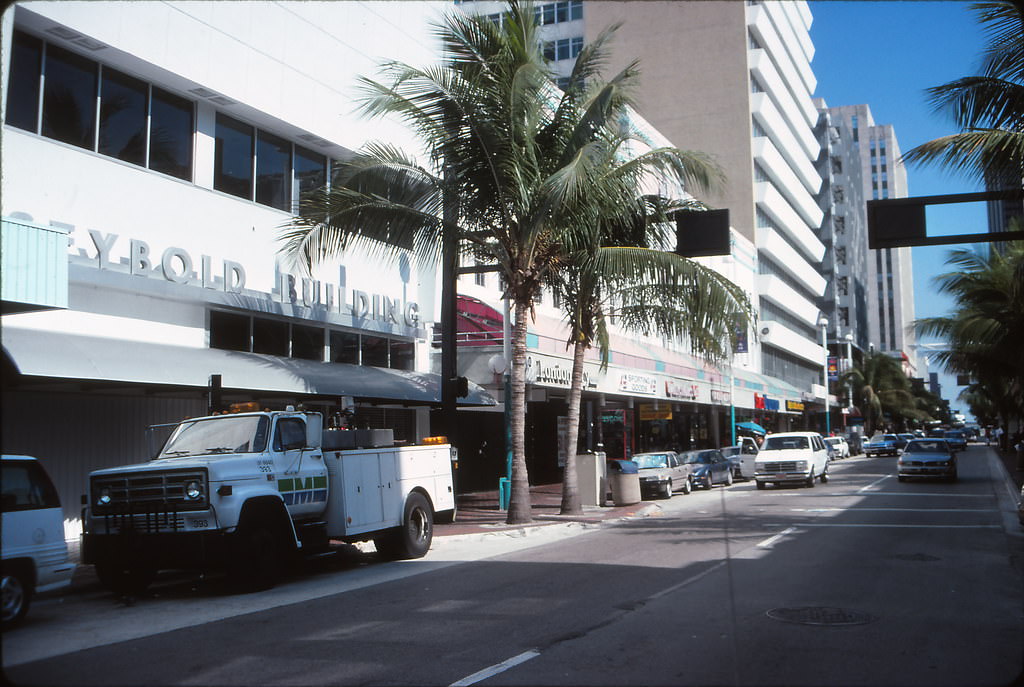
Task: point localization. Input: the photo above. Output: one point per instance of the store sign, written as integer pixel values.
(758, 402)
(633, 383)
(833, 368)
(721, 396)
(540, 371)
(795, 406)
(771, 403)
(177, 265)
(676, 389)
(655, 411)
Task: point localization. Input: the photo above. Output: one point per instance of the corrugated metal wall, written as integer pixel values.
(72, 434)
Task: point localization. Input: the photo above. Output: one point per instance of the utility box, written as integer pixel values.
(592, 478)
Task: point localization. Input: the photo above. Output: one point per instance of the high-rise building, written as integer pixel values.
(890, 285)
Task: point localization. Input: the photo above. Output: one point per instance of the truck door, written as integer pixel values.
(299, 470)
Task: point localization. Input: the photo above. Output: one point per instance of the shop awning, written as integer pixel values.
(39, 353)
(751, 427)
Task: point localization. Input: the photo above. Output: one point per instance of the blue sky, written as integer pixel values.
(886, 54)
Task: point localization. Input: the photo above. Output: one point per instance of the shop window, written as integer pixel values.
(273, 171)
(403, 355)
(170, 135)
(310, 173)
(229, 331)
(345, 348)
(23, 82)
(307, 342)
(233, 152)
(375, 351)
(69, 99)
(123, 117)
(270, 337)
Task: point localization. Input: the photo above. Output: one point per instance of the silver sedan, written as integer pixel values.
(927, 458)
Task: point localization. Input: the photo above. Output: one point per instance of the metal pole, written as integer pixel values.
(732, 402)
(824, 344)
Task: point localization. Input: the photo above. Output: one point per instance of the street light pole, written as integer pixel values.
(823, 323)
(849, 366)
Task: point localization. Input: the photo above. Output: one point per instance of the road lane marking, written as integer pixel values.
(870, 486)
(897, 510)
(687, 581)
(770, 541)
(481, 675)
(884, 526)
(944, 494)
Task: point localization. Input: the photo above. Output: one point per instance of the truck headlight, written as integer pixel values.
(801, 465)
(193, 491)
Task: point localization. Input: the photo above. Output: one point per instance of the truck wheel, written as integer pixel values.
(16, 591)
(412, 539)
(127, 579)
(760, 484)
(259, 555)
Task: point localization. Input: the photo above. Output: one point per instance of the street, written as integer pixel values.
(860, 581)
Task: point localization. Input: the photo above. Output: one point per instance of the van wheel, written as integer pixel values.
(824, 476)
(810, 479)
(412, 539)
(16, 591)
(125, 579)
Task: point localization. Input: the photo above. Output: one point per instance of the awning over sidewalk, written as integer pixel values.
(67, 356)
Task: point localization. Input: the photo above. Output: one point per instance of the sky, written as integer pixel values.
(886, 54)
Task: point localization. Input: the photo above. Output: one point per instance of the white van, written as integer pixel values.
(35, 555)
(792, 457)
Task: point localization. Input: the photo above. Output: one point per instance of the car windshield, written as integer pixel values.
(651, 460)
(920, 446)
(886, 437)
(224, 434)
(782, 443)
(697, 457)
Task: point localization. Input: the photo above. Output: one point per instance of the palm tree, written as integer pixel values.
(499, 138)
(880, 388)
(989, 107)
(986, 327)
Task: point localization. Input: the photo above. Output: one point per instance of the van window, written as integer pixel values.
(26, 487)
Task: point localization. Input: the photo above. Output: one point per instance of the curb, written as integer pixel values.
(544, 523)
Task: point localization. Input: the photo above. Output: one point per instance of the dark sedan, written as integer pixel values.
(883, 444)
(927, 458)
(956, 438)
(709, 467)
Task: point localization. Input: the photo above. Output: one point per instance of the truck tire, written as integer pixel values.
(125, 578)
(259, 553)
(16, 594)
(412, 539)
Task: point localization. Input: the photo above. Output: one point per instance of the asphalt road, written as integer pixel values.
(861, 581)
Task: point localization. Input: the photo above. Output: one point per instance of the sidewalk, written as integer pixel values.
(478, 512)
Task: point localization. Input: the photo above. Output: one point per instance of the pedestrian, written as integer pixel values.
(998, 435)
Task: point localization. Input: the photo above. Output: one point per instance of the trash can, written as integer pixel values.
(624, 480)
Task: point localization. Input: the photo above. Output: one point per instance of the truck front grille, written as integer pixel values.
(148, 493)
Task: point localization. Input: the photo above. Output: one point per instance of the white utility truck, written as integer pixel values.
(247, 491)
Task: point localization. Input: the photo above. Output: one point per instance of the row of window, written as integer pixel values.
(563, 49)
(69, 98)
(239, 332)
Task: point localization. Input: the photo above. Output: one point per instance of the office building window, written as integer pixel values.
(853, 125)
(310, 173)
(307, 342)
(403, 355)
(563, 49)
(273, 171)
(375, 351)
(270, 337)
(123, 117)
(232, 171)
(23, 82)
(229, 331)
(69, 98)
(344, 347)
(170, 134)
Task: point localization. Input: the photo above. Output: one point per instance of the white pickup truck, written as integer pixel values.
(245, 492)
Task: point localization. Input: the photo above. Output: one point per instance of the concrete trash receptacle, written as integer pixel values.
(624, 480)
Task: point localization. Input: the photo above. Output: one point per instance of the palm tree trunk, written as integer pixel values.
(570, 482)
(519, 507)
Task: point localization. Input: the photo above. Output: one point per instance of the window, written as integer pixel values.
(232, 172)
(310, 172)
(344, 348)
(26, 487)
(403, 355)
(270, 337)
(307, 342)
(229, 331)
(563, 49)
(170, 134)
(290, 432)
(375, 351)
(273, 171)
(69, 99)
(123, 106)
(23, 82)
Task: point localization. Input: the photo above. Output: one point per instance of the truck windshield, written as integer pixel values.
(224, 434)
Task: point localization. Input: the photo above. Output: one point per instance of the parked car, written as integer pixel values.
(956, 438)
(792, 457)
(927, 458)
(882, 445)
(906, 438)
(662, 472)
(35, 555)
(742, 457)
(840, 448)
(709, 466)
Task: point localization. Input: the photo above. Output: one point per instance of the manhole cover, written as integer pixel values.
(821, 615)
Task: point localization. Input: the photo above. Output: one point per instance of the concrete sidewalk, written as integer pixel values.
(477, 512)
